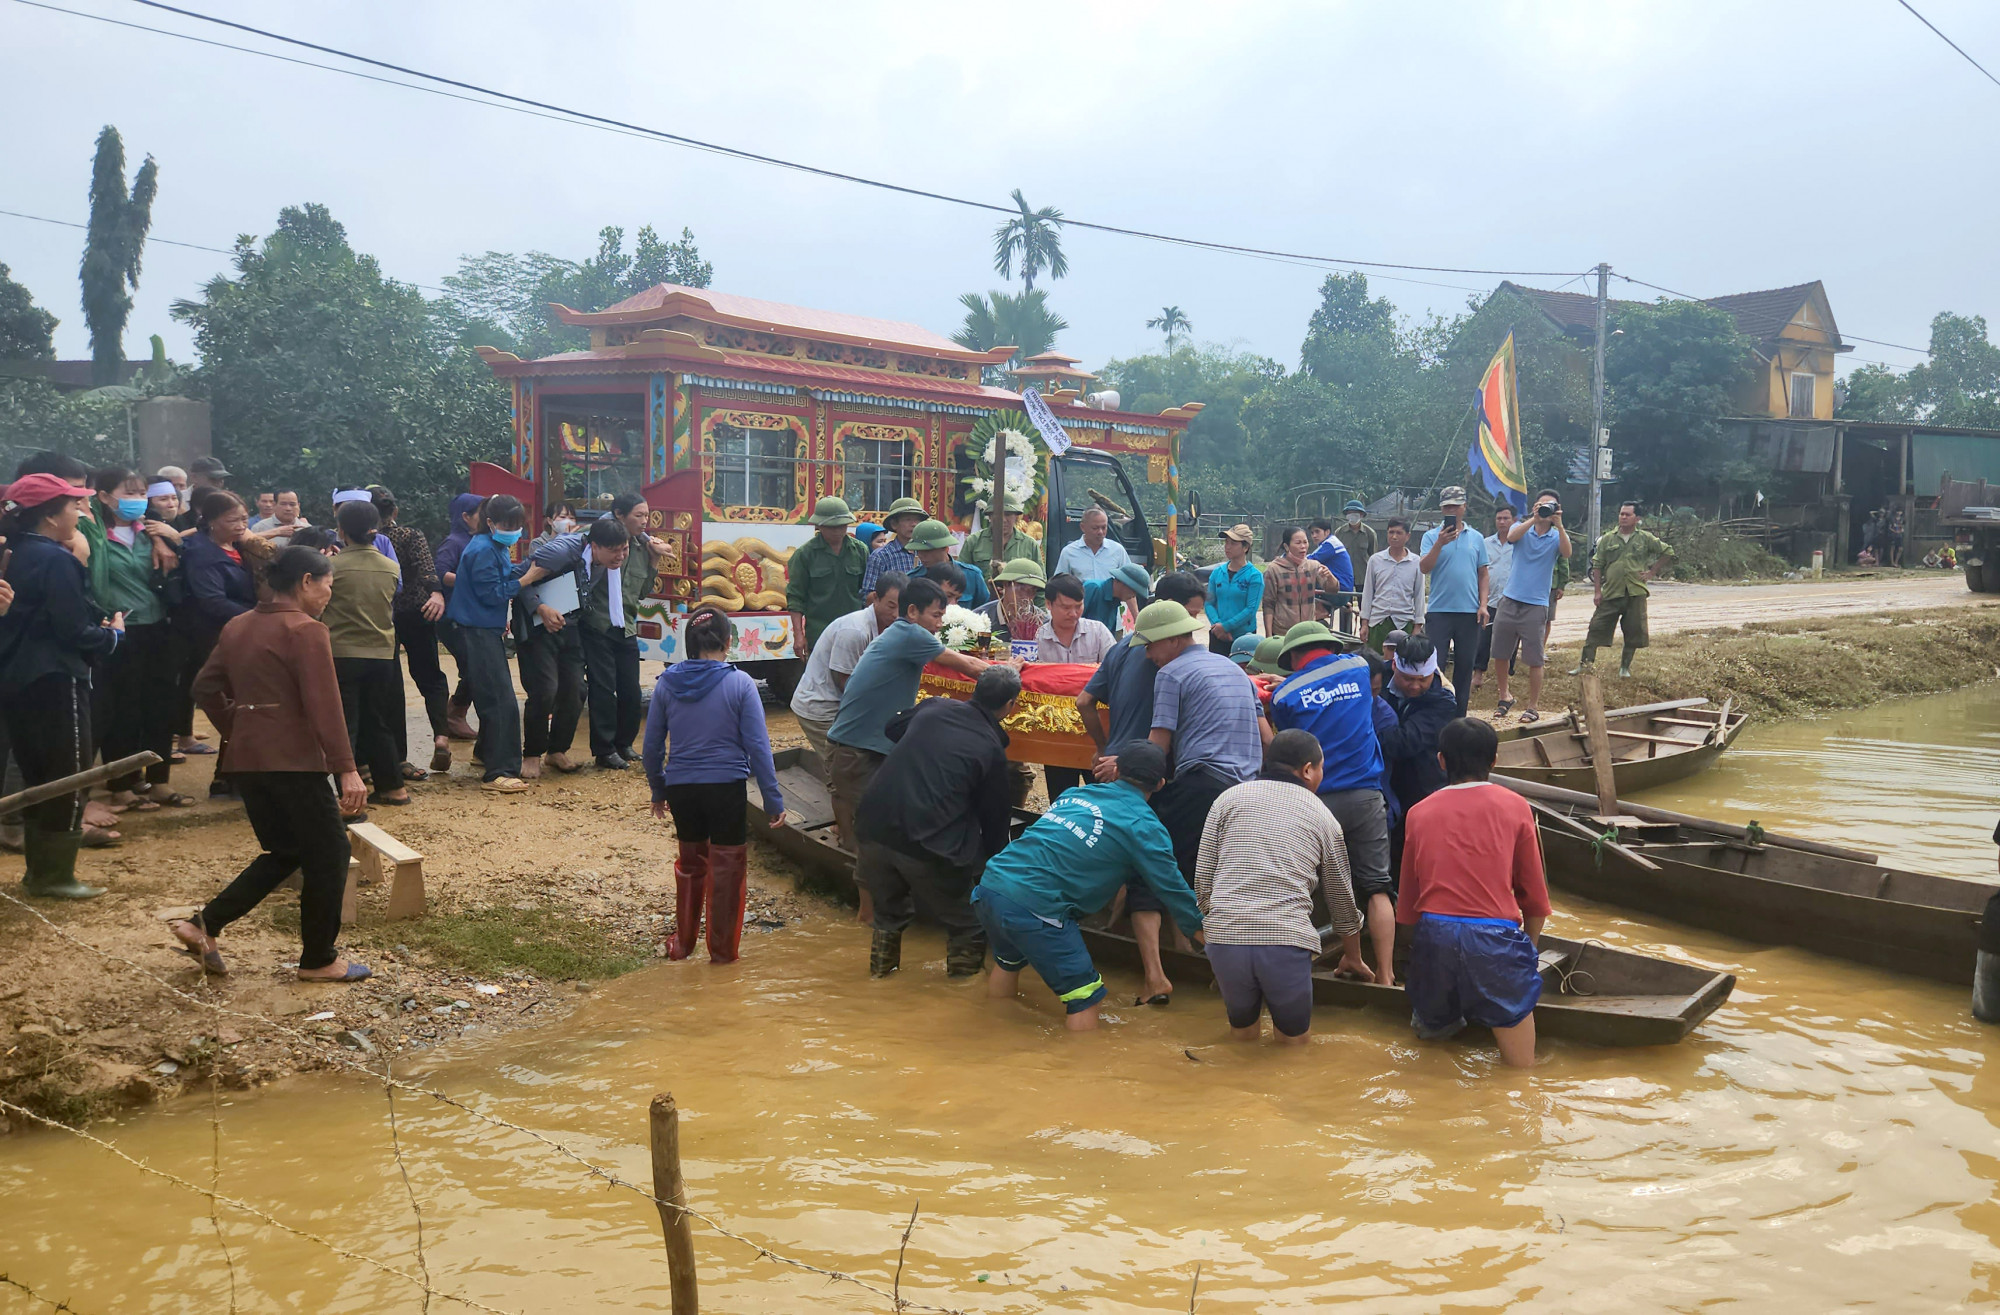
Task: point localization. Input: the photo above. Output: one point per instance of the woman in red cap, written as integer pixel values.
(48, 637)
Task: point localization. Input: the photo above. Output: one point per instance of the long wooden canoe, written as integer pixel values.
(1590, 992)
(1761, 886)
(1649, 746)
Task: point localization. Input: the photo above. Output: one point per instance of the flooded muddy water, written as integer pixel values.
(1825, 1142)
(1916, 781)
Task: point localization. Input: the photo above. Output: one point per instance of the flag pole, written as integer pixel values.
(1597, 416)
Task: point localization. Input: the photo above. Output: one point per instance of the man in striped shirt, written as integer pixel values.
(1265, 847)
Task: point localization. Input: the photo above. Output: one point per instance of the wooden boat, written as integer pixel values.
(1759, 885)
(1591, 993)
(1650, 746)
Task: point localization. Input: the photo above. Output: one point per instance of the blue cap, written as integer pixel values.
(1133, 576)
(865, 531)
(1244, 649)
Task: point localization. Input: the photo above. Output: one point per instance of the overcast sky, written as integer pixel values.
(1709, 148)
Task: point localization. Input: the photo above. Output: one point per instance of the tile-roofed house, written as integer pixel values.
(1791, 331)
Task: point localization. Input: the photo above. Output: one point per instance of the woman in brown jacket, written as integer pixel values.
(269, 686)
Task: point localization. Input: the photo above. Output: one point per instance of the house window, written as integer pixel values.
(753, 467)
(1802, 395)
(878, 472)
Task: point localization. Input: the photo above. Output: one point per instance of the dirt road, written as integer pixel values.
(1676, 607)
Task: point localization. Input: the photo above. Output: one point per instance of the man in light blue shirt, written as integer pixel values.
(1095, 556)
(1455, 560)
(1522, 618)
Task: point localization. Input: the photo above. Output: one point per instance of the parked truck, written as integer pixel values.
(1970, 511)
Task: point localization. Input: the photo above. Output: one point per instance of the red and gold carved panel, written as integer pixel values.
(797, 482)
(877, 431)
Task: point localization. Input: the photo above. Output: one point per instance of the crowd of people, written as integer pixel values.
(1277, 798)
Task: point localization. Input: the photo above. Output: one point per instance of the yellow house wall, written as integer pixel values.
(1801, 348)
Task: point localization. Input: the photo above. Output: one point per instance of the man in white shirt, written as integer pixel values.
(1068, 635)
(816, 702)
(1392, 593)
(1094, 556)
(284, 520)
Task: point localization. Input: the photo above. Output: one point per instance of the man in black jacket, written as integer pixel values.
(936, 811)
(1424, 705)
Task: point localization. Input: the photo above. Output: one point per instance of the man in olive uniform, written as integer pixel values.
(1626, 558)
(999, 541)
(1357, 536)
(823, 579)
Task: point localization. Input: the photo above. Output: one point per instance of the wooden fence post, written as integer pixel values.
(1598, 736)
(672, 1192)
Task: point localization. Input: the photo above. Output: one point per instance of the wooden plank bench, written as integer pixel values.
(380, 856)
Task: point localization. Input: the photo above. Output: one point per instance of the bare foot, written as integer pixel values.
(560, 761)
(531, 769)
(96, 814)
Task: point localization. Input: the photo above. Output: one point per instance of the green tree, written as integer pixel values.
(1172, 324)
(503, 299)
(1215, 453)
(112, 249)
(1876, 392)
(1001, 319)
(1959, 384)
(26, 330)
(1670, 374)
(1035, 236)
(322, 372)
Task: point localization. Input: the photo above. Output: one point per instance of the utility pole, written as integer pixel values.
(1597, 416)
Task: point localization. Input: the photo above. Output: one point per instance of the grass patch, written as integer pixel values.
(545, 942)
(1782, 669)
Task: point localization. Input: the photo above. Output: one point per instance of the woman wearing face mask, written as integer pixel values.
(132, 703)
(49, 636)
(488, 582)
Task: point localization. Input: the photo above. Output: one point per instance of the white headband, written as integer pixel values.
(164, 489)
(350, 495)
(1429, 668)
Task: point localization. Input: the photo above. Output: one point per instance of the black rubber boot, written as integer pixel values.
(885, 953)
(965, 958)
(51, 870)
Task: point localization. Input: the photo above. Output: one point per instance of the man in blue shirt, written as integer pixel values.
(932, 543)
(1070, 863)
(1455, 560)
(1104, 600)
(1523, 618)
(1330, 552)
(1094, 556)
(1330, 695)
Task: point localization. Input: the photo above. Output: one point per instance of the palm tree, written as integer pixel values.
(1173, 323)
(1037, 236)
(111, 251)
(1001, 319)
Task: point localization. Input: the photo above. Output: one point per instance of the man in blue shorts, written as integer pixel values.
(1474, 892)
(1091, 841)
(1330, 695)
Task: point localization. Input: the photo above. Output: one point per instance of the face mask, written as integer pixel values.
(131, 509)
(505, 538)
(562, 525)
(1353, 518)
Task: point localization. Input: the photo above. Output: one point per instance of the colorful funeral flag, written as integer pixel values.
(1496, 456)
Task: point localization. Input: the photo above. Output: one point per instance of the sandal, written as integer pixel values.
(1163, 999)
(141, 805)
(171, 798)
(97, 837)
(385, 799)
(177, 757)
(1530, 716)
(196, 748)
(412, 772)
(1503, 707)
(356, 972)
(194, 938)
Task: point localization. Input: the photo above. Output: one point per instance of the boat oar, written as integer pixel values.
(14, 804)
(1721, 731)
(1599, 842)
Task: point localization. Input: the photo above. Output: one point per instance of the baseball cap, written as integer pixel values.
(1453, 496)
(34, 490)
(210, 466)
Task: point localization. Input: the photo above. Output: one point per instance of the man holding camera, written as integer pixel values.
(1522, 619)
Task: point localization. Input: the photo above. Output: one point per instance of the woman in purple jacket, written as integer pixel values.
(715, 718)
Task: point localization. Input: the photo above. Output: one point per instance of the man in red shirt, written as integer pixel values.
(1472, 887)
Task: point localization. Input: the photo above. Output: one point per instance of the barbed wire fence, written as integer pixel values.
(420, 1279)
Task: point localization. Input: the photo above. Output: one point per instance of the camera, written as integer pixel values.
(1545, 511)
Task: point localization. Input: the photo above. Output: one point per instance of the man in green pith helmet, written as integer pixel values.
(1001, 540)
(932, 544)
(823, 579)
(901, 520)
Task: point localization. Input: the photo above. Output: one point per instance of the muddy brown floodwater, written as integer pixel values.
(1826, 1141)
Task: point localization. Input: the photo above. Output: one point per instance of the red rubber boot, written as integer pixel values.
(690, 893)
(730, 866)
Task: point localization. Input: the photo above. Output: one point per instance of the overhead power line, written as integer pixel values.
(497, 99)
(1948, 41)
(164, 241)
